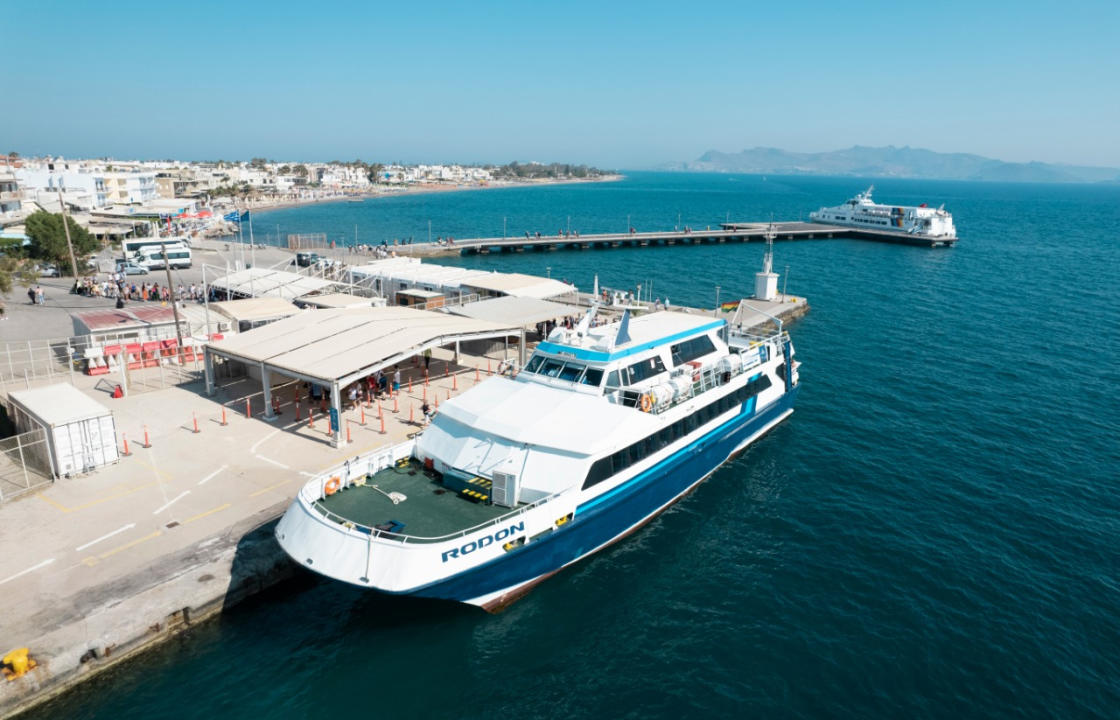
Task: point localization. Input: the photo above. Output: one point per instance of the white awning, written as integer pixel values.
(261, 282)
(524, 312)
(342, 345)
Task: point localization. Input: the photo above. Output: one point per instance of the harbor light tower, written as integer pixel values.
(766, 282)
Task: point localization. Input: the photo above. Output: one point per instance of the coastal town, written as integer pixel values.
(178, 388)
(115, 199)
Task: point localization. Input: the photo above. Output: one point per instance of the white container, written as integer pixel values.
(80, 431)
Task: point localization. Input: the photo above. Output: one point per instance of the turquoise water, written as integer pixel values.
(933, 533)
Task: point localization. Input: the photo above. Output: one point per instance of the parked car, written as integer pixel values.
(47, 271)
(304, 259)
(129, 268)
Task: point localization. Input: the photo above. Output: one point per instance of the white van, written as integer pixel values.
(151, 256)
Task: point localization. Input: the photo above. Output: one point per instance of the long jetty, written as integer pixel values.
(726, 233)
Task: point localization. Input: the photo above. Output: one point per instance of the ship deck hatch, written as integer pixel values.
(432, 508)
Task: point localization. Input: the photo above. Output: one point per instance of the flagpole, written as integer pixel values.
(252, 253)
(241, 237)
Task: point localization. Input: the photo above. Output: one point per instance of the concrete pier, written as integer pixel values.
(101, 566)
(725, 233)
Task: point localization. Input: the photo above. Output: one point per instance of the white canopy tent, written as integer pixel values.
(509, 310)
(333, 348)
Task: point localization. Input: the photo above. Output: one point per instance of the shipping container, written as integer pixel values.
(81, 433)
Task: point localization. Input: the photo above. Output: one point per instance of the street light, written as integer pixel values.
(503, 228)
(548, 270)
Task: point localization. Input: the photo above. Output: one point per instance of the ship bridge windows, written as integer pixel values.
(645, 369)
(636, 373)
(691, 349)
(567, 370)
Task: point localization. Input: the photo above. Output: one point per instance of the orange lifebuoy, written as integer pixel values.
(647, 402)
(332, 486)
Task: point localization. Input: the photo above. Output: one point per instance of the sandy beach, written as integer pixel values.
(417, 189)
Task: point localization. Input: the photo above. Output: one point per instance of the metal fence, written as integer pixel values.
(34, 363)
(25, 464)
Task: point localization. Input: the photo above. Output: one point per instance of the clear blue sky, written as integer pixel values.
(625, 85)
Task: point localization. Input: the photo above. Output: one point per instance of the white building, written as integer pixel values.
(130, 188)
(10, 197)
(101, 186)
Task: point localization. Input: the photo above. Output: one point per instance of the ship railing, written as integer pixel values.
(314, 492)
(373, 532)
(711, 376)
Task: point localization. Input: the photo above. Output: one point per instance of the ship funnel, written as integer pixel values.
(623, 329)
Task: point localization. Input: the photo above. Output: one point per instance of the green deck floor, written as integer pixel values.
(429, 511)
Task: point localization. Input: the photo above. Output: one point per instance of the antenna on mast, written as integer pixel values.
(766, 282)
(768, 259)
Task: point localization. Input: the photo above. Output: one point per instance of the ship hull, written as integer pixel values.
(610, 517)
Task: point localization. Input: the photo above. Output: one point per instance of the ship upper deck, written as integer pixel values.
(431, 508)
(602, 343)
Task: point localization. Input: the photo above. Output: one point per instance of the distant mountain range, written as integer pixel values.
(890, 161)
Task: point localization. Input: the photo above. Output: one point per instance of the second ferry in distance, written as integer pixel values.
(516, 478)
(861, 211)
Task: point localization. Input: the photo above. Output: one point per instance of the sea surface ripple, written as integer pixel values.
(933, 533)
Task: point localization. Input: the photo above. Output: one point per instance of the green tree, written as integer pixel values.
(258, 162)
(301, 170)
(373, 172)
(48, 238)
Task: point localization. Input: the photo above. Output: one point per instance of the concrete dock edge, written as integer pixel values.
(108, 625)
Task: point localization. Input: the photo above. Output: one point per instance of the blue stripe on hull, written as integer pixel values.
(596, 524)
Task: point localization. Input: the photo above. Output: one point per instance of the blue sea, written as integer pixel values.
(934, 533)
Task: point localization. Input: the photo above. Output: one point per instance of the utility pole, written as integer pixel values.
(66, 227)
(206, 300)
(172, 295)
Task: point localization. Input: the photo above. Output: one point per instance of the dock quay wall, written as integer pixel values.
(112, 623)
(726, 233)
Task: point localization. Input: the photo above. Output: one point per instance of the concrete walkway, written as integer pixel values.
(126, 536)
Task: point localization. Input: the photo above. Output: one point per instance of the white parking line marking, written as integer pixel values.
(105, 537)
(169, 503)
(28, 570)
(274, 462)
(211, 475)
(260, 442)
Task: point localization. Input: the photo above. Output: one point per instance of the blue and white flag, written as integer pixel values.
(232, 217)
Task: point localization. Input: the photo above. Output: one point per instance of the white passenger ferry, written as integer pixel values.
(518, 477)
(861, 211)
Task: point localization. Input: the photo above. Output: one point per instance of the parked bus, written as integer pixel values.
(132, 246)
(151, 256)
